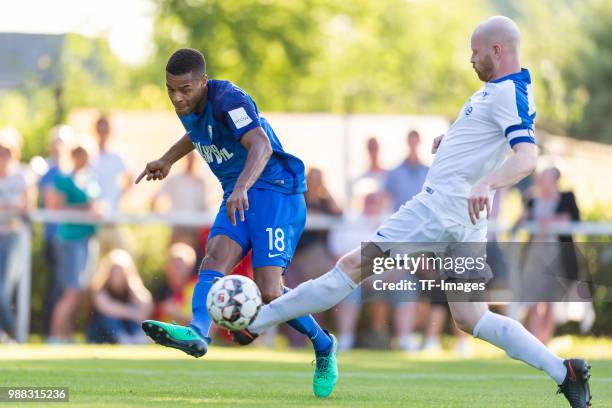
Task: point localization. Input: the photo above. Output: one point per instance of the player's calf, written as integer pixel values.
(466, 315)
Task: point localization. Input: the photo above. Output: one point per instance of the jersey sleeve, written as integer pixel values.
(514, 112)
(237, 110)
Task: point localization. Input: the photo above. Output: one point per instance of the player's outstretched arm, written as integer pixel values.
(260, 150)
(159, 169)
(518, 166)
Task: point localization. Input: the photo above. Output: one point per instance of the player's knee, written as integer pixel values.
(213, 261)
(269, 294)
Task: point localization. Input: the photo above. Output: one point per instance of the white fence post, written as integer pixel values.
(24, 292)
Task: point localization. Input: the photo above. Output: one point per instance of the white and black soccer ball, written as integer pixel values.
(233, 302)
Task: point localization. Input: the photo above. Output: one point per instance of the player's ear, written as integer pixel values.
(204, 80)
(497, 50)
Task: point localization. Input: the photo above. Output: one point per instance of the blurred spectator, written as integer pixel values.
(403, 183)
(14, 141)
(374, 178)
(114, 179)
(495, 256)
(173, 298)
(187, 195)
(110, 169)
(120, 301)
(13, 199)
(406, 180)
(548, 208)
(75, 191)
(59, 148)
(318, 199)
(375, 170)
(312, 257)
(343, 238)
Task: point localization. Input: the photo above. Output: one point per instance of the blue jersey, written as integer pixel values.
(230, 113)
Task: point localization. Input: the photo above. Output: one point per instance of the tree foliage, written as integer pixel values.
(384, 56)
(396, 56)
(590, 73)
(318, 55)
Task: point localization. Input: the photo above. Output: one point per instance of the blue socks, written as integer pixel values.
(201, 321)
(307, 325)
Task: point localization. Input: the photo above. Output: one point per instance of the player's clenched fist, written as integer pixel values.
(238, 200)
(155, 170)
(478, 200)
(436, 144)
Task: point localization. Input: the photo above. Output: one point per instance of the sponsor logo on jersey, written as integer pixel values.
(240, 118)
(212, 153)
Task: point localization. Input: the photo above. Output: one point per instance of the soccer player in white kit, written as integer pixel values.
(471, 162)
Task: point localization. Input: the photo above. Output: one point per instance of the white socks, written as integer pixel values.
(310, 297)
(510, 336)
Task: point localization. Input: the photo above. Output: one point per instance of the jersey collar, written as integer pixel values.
(523, 76)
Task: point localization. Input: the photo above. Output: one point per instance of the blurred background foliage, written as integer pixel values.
(388, 56)
(383, 56)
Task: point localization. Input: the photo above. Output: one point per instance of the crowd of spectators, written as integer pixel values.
(91, 269)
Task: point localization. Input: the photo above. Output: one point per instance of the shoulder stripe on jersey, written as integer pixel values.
(514, 128)
(519, 133)
(522, 139)
(522, 104)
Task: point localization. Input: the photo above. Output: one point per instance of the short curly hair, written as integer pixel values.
(186, 60)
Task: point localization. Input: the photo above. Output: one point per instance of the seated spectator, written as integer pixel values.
(173, 298)
(76, 191)
(120, 301)
(13, 199)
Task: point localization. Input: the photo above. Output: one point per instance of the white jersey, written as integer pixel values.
(498, 116)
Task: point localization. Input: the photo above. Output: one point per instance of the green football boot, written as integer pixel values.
(326, 370)
(176, 336)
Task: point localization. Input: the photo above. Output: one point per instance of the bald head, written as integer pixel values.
(499, 30)
(496, 44)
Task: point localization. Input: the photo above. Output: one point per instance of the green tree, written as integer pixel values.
(591, 75)
(267, 46)
(387, 56)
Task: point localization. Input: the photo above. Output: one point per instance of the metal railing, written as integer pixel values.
(21, 271)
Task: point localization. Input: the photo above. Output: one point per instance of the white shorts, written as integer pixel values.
(417, 228)
(415, 222)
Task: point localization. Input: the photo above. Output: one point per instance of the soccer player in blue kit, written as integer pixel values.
(263, 206)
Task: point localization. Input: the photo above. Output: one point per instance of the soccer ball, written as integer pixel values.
(233, 302)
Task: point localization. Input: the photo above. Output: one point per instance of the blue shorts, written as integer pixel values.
(272, 227)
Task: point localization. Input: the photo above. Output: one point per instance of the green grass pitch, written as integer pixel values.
(153, 376)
